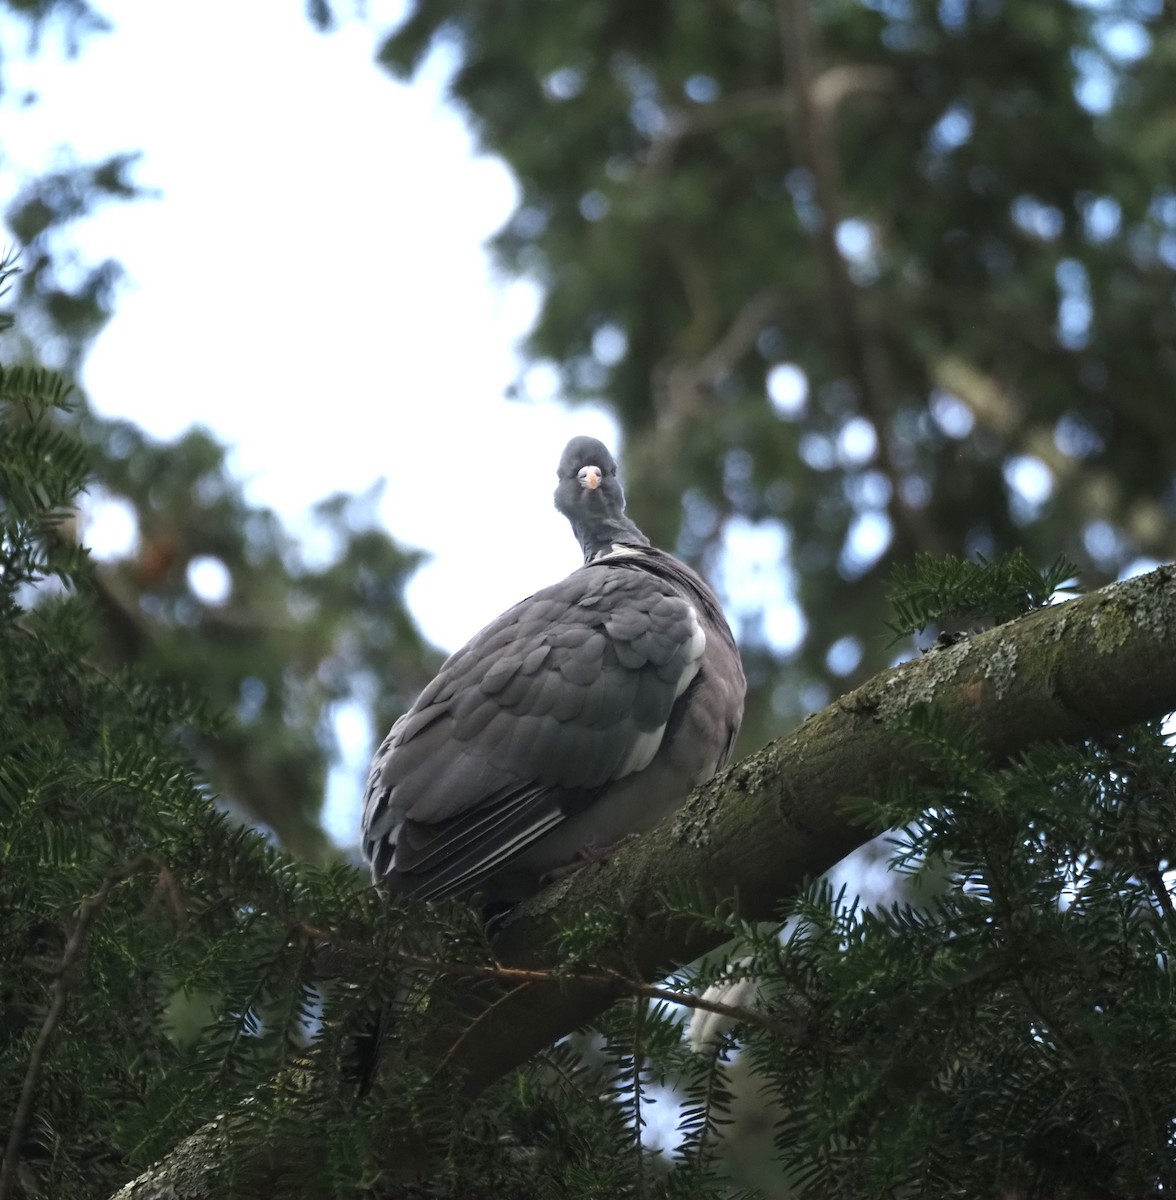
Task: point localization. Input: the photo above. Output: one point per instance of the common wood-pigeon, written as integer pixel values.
(583, 714)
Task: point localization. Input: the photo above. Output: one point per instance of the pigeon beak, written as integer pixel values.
(590, 478)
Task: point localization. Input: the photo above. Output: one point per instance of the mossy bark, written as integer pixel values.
(757, 832)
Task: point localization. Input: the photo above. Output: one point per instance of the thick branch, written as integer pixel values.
(758, 832)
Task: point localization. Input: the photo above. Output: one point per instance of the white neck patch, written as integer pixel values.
(619, 550)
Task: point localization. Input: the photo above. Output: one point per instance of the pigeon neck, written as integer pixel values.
(598, 537)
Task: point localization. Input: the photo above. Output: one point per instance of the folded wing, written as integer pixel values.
(544, 711)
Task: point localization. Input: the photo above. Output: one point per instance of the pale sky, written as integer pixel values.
(312, 285)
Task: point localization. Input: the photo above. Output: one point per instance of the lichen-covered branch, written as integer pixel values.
(753, 835)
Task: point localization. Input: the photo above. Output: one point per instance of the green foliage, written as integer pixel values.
(992, 1040)
(302, 638)
(125, 889)
(1009, 304)
(952, 592)
(1009, 1032)
(295, 640)
(590, 937)
(62, 309)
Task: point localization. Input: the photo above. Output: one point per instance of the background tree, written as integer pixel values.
(859, 279)
(1011, 1036)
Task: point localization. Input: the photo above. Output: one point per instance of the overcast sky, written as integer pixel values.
(311, 284)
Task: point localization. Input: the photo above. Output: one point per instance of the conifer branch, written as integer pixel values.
(640, 1011)
(88, 912)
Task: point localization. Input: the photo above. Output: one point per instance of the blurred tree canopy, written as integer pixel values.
(859, 278)
(860, 281)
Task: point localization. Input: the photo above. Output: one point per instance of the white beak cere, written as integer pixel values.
(590, 477)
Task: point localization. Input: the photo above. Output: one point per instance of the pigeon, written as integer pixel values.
(579, 717)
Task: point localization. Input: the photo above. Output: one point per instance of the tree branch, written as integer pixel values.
(679, 382)
(755, 834)
(814, 147)
(830, 89)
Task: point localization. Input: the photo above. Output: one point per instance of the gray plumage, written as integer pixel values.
(584, 713)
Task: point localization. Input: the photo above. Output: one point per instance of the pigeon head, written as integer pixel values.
(590, 495)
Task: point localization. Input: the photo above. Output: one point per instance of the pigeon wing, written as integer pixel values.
(564, 694)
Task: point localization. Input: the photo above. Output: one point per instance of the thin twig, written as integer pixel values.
(1152, 876)
(1155, 878)
(523, 976)
(88, 913)
(473, 1025)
